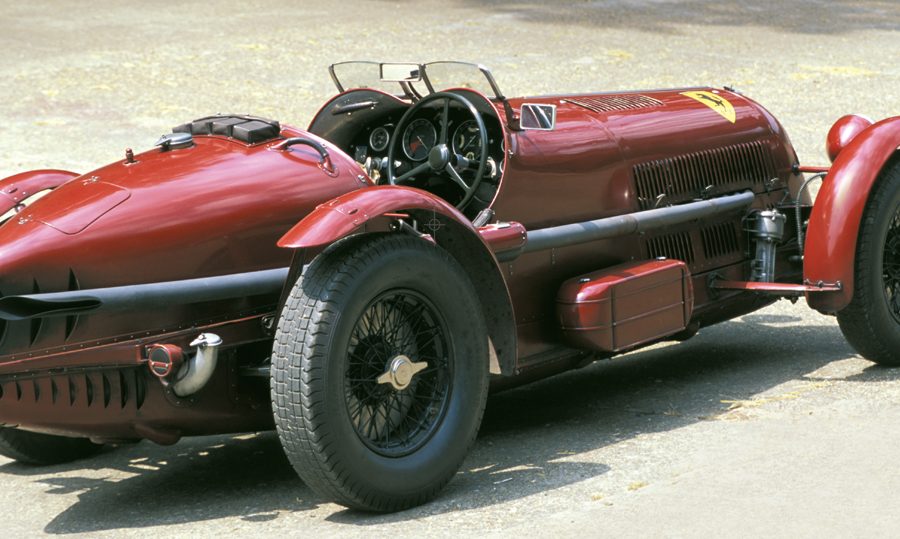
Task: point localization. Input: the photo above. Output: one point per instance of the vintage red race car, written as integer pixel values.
(359, 285)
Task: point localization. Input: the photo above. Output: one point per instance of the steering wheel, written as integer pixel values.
(441, 158)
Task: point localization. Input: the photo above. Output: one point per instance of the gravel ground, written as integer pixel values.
(766, 425)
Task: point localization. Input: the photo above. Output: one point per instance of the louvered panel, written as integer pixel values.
(674, 246)
(120, 389)
(721, 170)
(720, 240)
(612, 103)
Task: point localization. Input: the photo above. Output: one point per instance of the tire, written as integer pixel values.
(362, 306)
(871, 323)
(43, 449)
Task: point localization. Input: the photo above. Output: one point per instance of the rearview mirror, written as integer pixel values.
(401, 72)
(538, 116)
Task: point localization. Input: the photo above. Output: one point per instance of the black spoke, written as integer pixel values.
(445, 121)
(454, 175)
(890, 270)
(417, 170)
(389, 420)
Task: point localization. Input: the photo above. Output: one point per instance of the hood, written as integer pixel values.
(217, 207)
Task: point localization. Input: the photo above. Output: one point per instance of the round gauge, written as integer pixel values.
(467, 140)
(418, 139)
(379, 139)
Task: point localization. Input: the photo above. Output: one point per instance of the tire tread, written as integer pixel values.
(299, 355)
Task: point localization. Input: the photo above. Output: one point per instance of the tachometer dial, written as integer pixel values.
(379, 139)
(418, 139)
(467, 140)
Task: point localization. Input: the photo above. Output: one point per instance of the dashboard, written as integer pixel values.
(371, 144)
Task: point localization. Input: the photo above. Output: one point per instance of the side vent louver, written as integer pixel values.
(611, 103)
(675, 246)
(703, 174)
(720, 240)
(72, 319)
(35, 323)
(124, 388)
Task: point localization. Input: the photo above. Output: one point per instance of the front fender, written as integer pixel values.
(450, 229)
(16, 188)
(834, 224)
(343, 215)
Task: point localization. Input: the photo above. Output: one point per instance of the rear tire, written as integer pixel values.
(871, 323)
(43, 449)
(356, 425)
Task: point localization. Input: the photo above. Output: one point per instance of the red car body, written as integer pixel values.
(625, 219)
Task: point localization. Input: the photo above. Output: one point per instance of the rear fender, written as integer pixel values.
(16, 188)
(830, 246)
(350, 213)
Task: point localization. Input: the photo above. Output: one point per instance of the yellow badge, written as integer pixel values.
(715, 102)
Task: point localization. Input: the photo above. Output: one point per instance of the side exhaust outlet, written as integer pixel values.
(197, 371)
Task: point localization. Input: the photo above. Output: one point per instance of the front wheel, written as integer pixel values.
(379, 372)
(871, 323)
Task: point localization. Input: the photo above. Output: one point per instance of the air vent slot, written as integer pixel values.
(704, 174)
(720, 240)
(674, 246)
(115, 389)
(72, 319)
(36, 323)
(612, 103)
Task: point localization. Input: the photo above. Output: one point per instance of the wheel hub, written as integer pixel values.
(401, 371)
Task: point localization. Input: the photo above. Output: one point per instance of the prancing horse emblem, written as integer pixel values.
(715, 102)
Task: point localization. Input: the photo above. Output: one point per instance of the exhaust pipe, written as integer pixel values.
(197, 371)
(633, 223)
(143, 296)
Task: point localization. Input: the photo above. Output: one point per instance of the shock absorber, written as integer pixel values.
(767, 229)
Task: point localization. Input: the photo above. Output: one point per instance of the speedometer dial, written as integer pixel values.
(418, 139)
(467, 140)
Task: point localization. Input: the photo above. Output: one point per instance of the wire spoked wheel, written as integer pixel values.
(871, 322)
(380, 371)
(891, 264)
(398, 373)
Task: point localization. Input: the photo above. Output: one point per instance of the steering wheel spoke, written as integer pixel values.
(445, 123)
(424, 167)
(457, 178)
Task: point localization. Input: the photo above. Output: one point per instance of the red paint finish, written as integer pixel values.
(620, 307)
(504, 237)
(830, 248)
(87, 200)
(17, 188)
(343, 215)
(775, 289)
(129, 403)
(843, 132)
(164, 359)
(222, 206)
(813, 170)
(217, 207)
(592, 153)
(584, 169)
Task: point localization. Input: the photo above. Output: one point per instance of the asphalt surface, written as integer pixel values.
(768, 425)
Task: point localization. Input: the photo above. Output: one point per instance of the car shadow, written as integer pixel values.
(198, 479)
(526, 444)
(662, 17)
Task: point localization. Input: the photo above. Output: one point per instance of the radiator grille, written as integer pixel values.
(615, 102)
(675, 246)
(720, 240)
(109, 389)
(703, 174)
